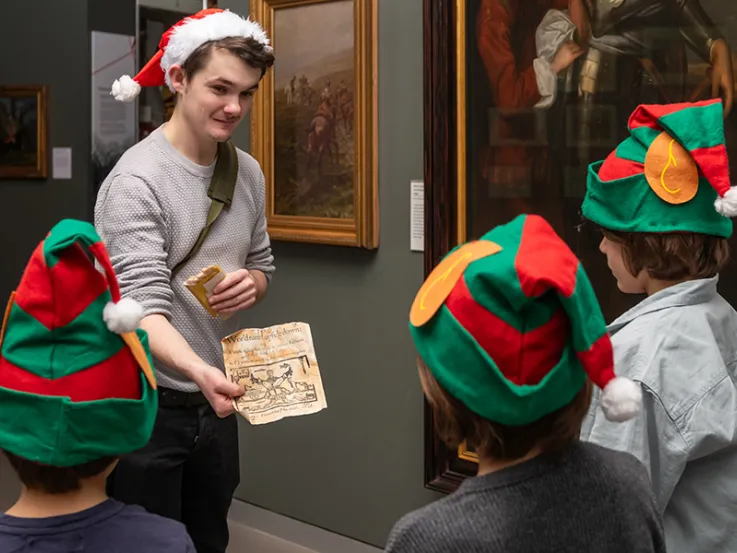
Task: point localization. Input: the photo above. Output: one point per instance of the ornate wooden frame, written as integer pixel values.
(445, 189)
(39, 170)
(363, 229)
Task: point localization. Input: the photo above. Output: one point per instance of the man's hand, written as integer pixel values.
(722, 73)
(237, 291)
(218, 390)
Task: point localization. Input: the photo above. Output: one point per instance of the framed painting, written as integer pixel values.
(313, 122)
(503, 137)
(23, 132)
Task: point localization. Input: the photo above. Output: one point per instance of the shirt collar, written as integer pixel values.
(691, 292)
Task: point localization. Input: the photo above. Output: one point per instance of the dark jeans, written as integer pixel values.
(188, 471)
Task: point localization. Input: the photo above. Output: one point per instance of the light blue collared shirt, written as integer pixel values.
(680, 344)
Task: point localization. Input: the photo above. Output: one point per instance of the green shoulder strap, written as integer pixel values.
(220, 193)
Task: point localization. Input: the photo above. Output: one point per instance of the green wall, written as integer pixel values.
(357, 466)
(48, 42)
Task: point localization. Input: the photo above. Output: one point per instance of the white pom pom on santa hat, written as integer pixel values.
(727, 205)
(125, 89)
(124, 316)
(621, 399)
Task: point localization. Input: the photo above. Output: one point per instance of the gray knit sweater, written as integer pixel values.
(589, 500)
(150, 211)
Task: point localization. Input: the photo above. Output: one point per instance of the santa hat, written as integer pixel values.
(76, 382)
(670, 175)
(509, 325)
(178, 43)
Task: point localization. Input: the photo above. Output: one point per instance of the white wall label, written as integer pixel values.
(62, 163)
(417, 216)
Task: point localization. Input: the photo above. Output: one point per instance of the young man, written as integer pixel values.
(509, 333)
(76, 391)
(654, 198)
(150, 211)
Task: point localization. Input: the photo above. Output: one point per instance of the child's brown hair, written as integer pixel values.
(56, 480)
(455, 423)
(672, 256)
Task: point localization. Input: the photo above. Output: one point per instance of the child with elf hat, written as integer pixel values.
(510, 338)
(76, 392)
(150, 211)
(663, 202)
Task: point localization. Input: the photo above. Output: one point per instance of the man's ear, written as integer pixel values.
(177, 77)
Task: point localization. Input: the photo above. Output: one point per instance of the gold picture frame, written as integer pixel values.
(464, 452)
(357, 224)
(23, 132)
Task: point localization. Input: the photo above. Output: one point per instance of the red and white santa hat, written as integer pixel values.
(178, 43)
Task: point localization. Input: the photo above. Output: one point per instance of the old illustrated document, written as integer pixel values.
(278, 369)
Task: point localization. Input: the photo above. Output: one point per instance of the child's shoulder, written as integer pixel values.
(154, 532)
(612, 466)
(679, 354)
(428, 529)
(680, 335)
(618, 474)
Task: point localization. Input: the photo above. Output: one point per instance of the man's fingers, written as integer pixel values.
(230, 294)
(225, 388)
(230, 280)
(235, 303)
(224, 284)
(224, 408)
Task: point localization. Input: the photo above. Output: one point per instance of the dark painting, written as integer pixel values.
(22, 132)
(548, 87)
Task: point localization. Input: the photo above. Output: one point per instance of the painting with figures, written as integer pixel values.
(526, 94)
(313, 111)
(23, 131)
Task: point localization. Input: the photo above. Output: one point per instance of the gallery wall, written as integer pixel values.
(357, 466)
(56, 55)
(47, 42)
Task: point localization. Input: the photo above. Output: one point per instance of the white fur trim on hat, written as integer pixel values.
(186, 38)
(124, 316)
(727, 205)
(125, 89)
(621, 399)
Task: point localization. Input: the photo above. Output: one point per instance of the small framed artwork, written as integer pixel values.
(313, 122)
(23, 131)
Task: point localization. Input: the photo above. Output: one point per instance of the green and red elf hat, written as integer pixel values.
(76, 382)
(509, 325)
(670, 175)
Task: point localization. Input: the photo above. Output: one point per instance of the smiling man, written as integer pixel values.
(151, 211)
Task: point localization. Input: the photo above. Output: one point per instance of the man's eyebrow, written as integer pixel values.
(221, 80)
(226, 82)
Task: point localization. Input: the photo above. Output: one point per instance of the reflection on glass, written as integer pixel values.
(550, 85)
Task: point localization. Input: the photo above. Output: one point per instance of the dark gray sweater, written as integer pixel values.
(589, 499)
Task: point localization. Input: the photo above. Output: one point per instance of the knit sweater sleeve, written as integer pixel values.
(131, 222)
(414, 533)
(260, 257)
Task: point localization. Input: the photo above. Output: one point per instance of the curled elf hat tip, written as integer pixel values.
(178, 43)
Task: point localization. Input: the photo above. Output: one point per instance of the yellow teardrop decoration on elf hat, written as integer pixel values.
(670, 170)
(444, 277)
